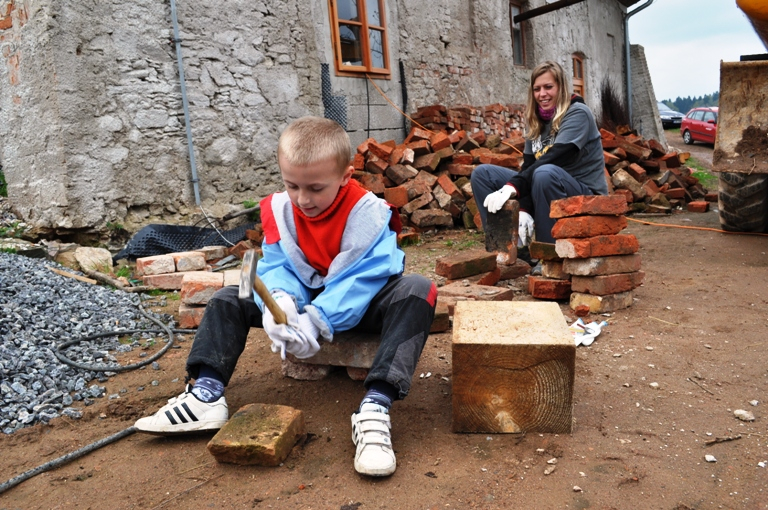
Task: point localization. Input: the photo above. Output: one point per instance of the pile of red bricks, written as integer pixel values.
(427, 176)
(651, 179)
(506, 121)
(591, 263)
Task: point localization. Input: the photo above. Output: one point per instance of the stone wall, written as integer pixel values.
(91, 119)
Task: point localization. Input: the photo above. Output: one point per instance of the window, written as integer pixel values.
(709, 116)
(518, 50)
(697, 115)
(578, 75)
(359, 36)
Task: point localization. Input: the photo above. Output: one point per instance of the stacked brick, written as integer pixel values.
(603, 265)
(651, 179)
(506, 121)
(427, 176)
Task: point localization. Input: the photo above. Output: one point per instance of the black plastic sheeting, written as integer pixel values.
(161, 239)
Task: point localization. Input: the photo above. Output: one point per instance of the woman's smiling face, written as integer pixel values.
(545, 91)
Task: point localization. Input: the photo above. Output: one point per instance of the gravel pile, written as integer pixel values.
(39, 310)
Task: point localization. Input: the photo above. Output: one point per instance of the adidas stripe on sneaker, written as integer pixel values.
(185, 413)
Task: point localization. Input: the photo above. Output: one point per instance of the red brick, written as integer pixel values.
(460, 170)
(427, 178)
(417, 134)
(240, 248)
(417, 203)
(651, 188)
(610, 159)
(449, 187)
(547, 288)
(489, 278)
(397, 155)
(397, 196)
(408, 237)
(373, 182)
(601, 304)
(375, 165)
(711, 196)
(358, 162)
(479, 137)
(379, 150)
(457, 136)
(599, 246)
(608, 181)
(596, 266)
(637, 172)
(427, 162)
(554, 269)
(462, 158)
(607, 284)
(588, 226)
(429, 217)
(619, 153)
(419, 148)
(698, 206)
(628, 196)
(671, 160)
(503, 160)
(588, 204)
(168, 281)
(416, 188)
(439, 141)
(401, 173)
(219, 252)
(543, 251)
(190, 316)
(674, 193)
(477, 292)
(442, 319)
(157, 264)
(188, 260)
(516, 270)
(363, 147)
(197, 287)
(466, 263)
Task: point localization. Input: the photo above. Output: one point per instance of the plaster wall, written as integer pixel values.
(91, 114)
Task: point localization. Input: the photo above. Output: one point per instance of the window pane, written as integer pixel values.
(376, 42)
(517, 46)
(351, 47)
(347, 10)
(374, 15)
(709, 116)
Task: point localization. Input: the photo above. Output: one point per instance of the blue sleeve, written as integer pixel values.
(346, 297)
(276, 271)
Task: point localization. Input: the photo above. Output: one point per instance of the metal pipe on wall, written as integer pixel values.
(185, 104)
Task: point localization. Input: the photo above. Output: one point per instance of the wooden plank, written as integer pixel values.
(513, 368)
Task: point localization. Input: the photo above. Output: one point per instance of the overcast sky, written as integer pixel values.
(685, 40)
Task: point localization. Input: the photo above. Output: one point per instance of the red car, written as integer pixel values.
(700, 125)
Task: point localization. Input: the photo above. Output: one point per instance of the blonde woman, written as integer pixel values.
(563, 157)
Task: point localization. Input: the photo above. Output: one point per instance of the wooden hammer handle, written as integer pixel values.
(269, 301)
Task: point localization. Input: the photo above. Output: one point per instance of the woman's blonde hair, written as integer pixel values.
(311, 139)
(563, 100)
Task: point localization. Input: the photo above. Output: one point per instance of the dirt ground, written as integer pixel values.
(659, 384)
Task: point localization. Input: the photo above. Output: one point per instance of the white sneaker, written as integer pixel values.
(185, 413)
(374, 455)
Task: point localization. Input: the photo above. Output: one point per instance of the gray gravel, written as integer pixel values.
(39, 310)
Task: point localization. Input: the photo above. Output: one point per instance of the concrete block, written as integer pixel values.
(513, 368)
(157, 264)
(595, 266)
(587, 204)
(258, 434)
(599, 246)
(602, 304)
(198, 287)
(607, 284)
(465, 263)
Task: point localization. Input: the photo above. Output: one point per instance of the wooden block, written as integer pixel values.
(258, 434)
(513, 368)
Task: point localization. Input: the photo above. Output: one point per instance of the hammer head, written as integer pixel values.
(247, 275)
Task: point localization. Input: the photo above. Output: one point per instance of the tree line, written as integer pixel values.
(684, 104)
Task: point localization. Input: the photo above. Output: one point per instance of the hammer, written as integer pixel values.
(250, 281)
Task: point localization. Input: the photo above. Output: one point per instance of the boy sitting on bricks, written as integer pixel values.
(332, 263)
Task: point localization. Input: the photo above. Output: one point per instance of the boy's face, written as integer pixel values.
(313, 188)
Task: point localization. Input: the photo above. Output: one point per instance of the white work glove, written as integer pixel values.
(301, 342)
(495, 201)
(524, 229)
(288, 305)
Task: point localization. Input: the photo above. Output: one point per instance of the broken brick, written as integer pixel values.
(157, 264)
(607, 284)
(543, 251)
(599, 246)
(466, 263)
(588, 226)
(397, 196)
(548, 288)
(167, 281)
(602, 304)
(190, 316)
(699, 206)
(198, 287)
(588, 204)
(595, 266)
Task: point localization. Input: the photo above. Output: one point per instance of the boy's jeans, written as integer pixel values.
(402, 312)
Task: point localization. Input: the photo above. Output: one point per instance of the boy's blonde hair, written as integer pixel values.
(311, 139)
(563, 100)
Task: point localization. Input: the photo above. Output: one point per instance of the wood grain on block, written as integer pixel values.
(513, 368)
